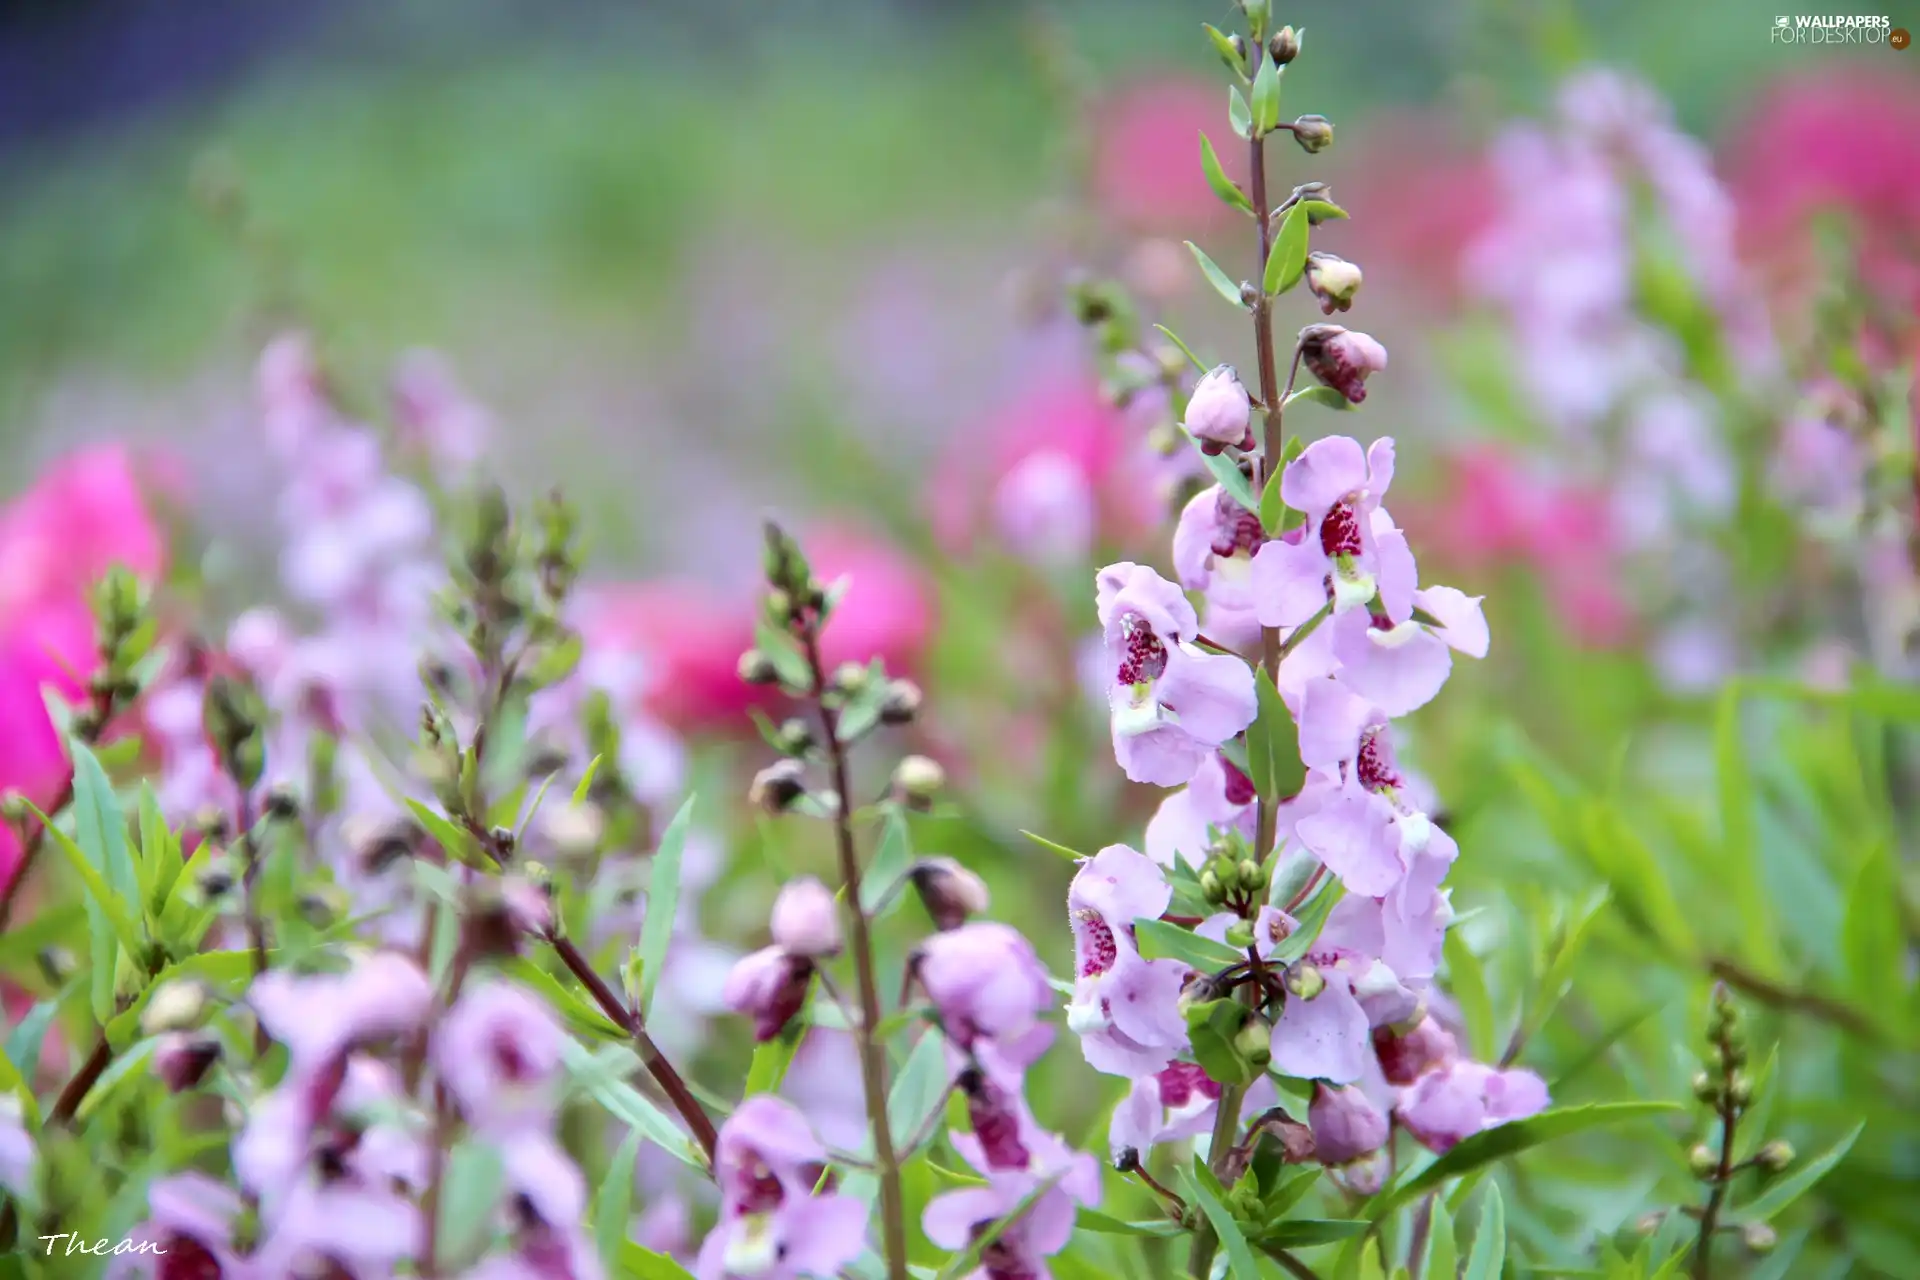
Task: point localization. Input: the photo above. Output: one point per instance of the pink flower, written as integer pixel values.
(1407, 1054)
(956, 1219)
(190, 1224)
(47, 645)
(1125, 1008)
(1342, 358)
(1347, 549)
(1214, 545)
(1462, 1098)
(772, 1226)
(1171, 704)
(805, 920)
(1146, 171)
(1044, 509)
(985, 980)
(1218, 796)
(1220, 413)
(437, 417)
(498, 1050)
(769, 986)
(1174, 1103)
(1346, 1125)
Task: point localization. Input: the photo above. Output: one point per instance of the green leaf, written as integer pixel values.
(635, 1263)
(890, 862)
(1607, 1039)
(1071, 855)
(1239, 115)
(1324, 396)
(663, 903)
(24, 941)
(585, 784)
(160, 857)
(1490, 1240)
(1285, 771)
(1442, 1257)
(1740, 872)
(1559, 976)
(582, 1018)
(126, 1071)
(458, 842)
(788, 662)
(1159, 940)
(1310, 919)
(613, 1202)
(1094, 1220)
(1266, 97)
(11, 1081)
(1784, 1191)
(1223, 186)
(1273, 507)
(1227, 472)
(1300, 1233)
(772, 1058)
(1510, 1139)
(1287, 258)
(1872, 940)
(1185, 350)
(471, 1186)
(605, 1086)
(1469, 985)
(113, 910)
(100, 830)
(1223, 45)
(1205, 1188)
(1222, 285)
(920, 1088)
(228, 971)
(25, 1040)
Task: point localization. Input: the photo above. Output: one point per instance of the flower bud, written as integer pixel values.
(1252, 876)
(1255, 1043)
(779, 786)
(1705, 1087)
(13, 807)
(1341, 358)
(1210, 887)
(178, 1006)
(1775, 1155)
(1333, 281)
(901, 703)
(182, 1060)
(949, 891)
(1759, 1237)
(283, 802)
(1406, 1055)
(850, 679)
(1313, 133)
(919, 779)
(757, 668)
(1346, 1126)
(1740, 1089)
(769, 986)
(1305, 981)
(1220, 412)
(1284, 46)
(1702, 1160)
(805, 922)
(796, 737)
(1240, 934)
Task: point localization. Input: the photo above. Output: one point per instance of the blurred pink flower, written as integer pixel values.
(691, 635)
(1848, 139)
(86, 514)
(1147, 168)
(984, 485)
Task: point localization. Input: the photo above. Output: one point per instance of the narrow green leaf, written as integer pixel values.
(1606, 1040)
(1311, 918)
(1275, 723)
(1442, 1257)
(1468, 982)
(474, 1178)
(11, 1081)
(1185, 350)
(1223, 45)
(635, 1263)
(458, 843)
(1741, 873)
(582, 1018)
(126, 1072)
(1094, 1220)
(1159, 940)
(1301, 1233)
(585, 784)
(1227, 472)
(1287, 258)
(1871, 939)
(890, 862)
(1221, 282)
(613, 1202)
(1266, 96)
(663, 903)
(1287, 1193)
(25, 1040)
(1490, 1240)
(1226, 188)
(113, 909)
(1273, 508)
(768, 1069)
(160, 857)
(1241, 1264)
(1071, 855)
(920, 1087)
(1510, 1139)
(605, 1086)
(1239, 115)
(1559, 976)
(1324, 396)
(1784, 1191)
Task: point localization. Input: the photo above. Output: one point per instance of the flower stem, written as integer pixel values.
(873, 1063)
(1729, 1112)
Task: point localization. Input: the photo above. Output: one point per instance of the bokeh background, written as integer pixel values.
(698, 261)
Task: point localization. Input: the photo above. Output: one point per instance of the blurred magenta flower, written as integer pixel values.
(85, 515)
(1146, 171)
(691, 635)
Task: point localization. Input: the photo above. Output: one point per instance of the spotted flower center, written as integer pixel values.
(1340, 531)
(1098, 949)
(1236, 529)
(1181, 1082)
(184, 1258)
(1374, 765)
(1004, 1260)
(1239, 785)
(758, 1190)
(1144, 659)
(997, 1127)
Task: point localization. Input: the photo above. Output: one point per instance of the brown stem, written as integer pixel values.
(67, 1105)
(1292, 1265)
(1729, 1113)
(873, 1063)
(1795, 999)
(650, 1056)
